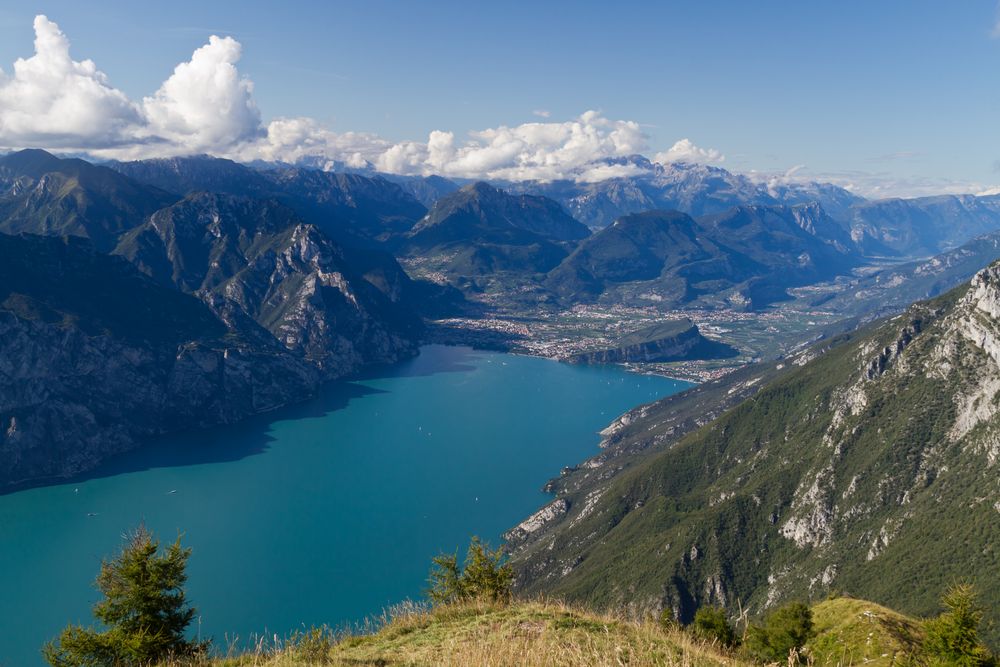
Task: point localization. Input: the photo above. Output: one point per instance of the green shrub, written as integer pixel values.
(785, 629)
(711, 624)
(484, 576)
(144, 610)
(953, 637)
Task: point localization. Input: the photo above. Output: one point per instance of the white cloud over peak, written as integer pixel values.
(207, 106)
(52, 100)
(205, 103)
(543, 151)
(295, 139)
(685, 151)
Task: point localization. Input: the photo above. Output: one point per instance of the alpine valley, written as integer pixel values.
(841, 437)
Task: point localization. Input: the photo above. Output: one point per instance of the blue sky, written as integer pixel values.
(905, 92)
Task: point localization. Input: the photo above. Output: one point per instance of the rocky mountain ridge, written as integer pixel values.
(259, 257)
(852, 466)
(247, 307)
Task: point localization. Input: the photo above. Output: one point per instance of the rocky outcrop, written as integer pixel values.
(258, 257)
(551, 512)
(671, 341)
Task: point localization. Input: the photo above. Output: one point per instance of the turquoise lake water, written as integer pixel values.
(326, 512)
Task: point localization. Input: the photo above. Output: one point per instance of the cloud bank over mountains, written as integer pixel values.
(206, 106)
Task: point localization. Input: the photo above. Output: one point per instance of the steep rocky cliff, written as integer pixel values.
(869, 464)
(95, 357)
(258, 258)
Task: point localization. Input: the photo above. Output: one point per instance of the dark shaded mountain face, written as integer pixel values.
(691, 188)
(802, 240)
(95, 357)
(42, 194)
(481, 230)
(667, 247)
(426, 298)
(922, 226)
(860, 467)
(350, 208)
(241, 290)
(259, 258)
(746, 256)
(481, 208)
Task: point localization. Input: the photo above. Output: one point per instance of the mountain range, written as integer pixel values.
(129, 311)
(362, 206)
(695, 189)
(745, 257)
(139, 298)
(348, 207)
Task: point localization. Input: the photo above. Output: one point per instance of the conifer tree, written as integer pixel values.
(953, 637)
(144, 610)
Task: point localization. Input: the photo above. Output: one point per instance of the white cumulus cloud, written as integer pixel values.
(205, 103)
(207, 106)
(542, 151)
(54, 101)
(685, 151)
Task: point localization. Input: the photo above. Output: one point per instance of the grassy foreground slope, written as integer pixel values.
(848, 632)
(531, 633)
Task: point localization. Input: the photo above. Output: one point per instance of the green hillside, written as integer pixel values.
(867, 466)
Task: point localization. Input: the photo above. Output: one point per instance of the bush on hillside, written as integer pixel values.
(144, 610)
(711, 624)
(784, 630)
(953, 637)
(483, 576)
